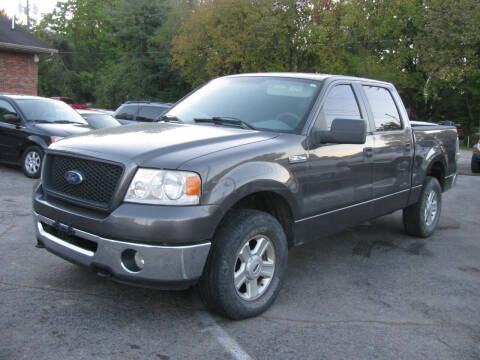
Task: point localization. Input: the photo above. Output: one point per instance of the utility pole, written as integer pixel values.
(27, 11)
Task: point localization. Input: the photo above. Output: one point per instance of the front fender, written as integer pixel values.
(249, 178)
(38, 141)
(31, 140)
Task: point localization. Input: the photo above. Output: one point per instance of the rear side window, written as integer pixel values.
(126, 112)
(385, 112)
(150, 113)
(340, 104)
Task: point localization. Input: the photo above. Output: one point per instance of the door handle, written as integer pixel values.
(368, 151)
(407, 147)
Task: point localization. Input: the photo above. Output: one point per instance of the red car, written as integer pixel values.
(70, 102)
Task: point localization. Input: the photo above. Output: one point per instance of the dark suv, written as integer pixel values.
(132, 112)
(29, 124)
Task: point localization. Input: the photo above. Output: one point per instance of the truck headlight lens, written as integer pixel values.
(174, 186)
(164, 187)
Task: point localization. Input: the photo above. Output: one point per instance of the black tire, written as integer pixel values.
(475, 166)
(217, 287)
(32, 154)
(416, 220)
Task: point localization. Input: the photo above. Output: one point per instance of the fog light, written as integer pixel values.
(132, 260)
(139, 260)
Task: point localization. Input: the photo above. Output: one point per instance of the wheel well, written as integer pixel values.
(273, 204)
(437, 170)
(25, 146)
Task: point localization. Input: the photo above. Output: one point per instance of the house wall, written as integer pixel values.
(18, 73)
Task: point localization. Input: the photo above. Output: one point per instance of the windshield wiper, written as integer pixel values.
(66, 122)
(226, 121)
(169, 118)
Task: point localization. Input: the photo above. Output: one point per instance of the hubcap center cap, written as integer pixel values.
(254, 267)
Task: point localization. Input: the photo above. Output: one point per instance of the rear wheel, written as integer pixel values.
(32, 161)
(421, 218)
(246, 266)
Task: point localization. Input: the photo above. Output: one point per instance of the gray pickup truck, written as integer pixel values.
(235, 174)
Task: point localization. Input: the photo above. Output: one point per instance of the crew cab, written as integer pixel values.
(239, 171)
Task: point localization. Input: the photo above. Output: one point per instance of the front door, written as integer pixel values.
(339, 186)
(10, 135)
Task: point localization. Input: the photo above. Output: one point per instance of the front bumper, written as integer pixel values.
(135, 223)
(164, 266)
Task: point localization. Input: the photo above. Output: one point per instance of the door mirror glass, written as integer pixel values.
(11, 118)
(342, 131)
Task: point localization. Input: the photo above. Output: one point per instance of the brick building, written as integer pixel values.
(19, 52)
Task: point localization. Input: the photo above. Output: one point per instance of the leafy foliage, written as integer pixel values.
(117, 50)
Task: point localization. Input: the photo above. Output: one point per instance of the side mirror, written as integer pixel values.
(343, 131)
(11, 118)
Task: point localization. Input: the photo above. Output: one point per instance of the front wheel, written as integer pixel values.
(421, 218)
(246, 266)
(32, 161)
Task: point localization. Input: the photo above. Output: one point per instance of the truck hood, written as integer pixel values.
(158, 145)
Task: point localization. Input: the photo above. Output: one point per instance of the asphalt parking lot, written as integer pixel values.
(370, 292)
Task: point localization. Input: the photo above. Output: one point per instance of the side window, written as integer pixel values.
(150, 113)
(126, 112)
(385, 112)
(6, 108)
(340, 104)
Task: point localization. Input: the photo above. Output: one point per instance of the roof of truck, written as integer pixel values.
(308, 76)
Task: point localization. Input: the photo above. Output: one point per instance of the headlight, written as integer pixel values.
(164, 187)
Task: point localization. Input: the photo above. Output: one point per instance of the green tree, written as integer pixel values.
(141, 68)
(232, 36)
(80, 30)
(449, 56)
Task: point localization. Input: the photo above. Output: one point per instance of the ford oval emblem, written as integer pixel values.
(73, 177)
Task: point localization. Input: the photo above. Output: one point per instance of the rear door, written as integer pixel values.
(393, 148)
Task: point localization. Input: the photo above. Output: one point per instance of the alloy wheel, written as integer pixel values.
(32, 162)
(254, 267)
(431, 208)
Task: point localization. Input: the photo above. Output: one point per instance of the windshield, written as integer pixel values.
(49, 111)
(100, 121)
(264, 103)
